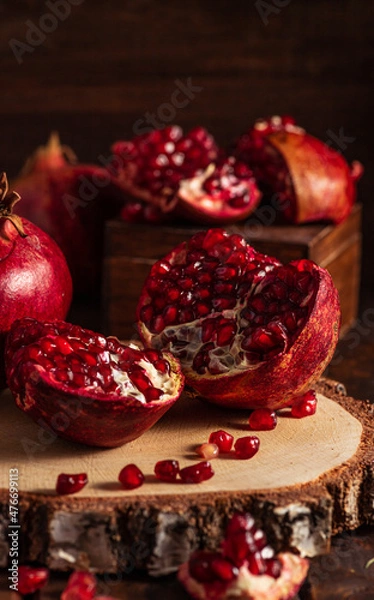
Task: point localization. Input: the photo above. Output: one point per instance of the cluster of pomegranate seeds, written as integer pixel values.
(131, 477)
(169, 471)
(31, 579)
(159, 160)
(263, 419)
(222, 439)
(306, 406)
(207, 567)
(70, 484)
(77, 358)
(81, 585)
(246, 447)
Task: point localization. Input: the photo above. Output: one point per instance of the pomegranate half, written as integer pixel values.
(249, 331)
(85, 387)
(310, 180)
(34, 278)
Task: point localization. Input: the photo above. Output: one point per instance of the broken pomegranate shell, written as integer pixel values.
(309, 180)
(245, 567)
(85, 387)
(168, 173)
(249, 331)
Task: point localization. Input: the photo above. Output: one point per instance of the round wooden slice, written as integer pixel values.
(310, 478)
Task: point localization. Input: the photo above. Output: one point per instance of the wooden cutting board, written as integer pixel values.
(310, 478)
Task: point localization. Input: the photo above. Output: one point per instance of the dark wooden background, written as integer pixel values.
(108, 63)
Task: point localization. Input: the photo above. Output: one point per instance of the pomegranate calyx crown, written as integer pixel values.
(51, 156)
(7, 202)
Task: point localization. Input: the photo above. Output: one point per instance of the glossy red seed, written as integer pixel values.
(223, 569)
(70, 483)
(246, 447)
(197, 473)
(81, 585)
(167, 470)
(31, 579)
(263, 419)
(304, 408)
(222, 439)
(131, 477)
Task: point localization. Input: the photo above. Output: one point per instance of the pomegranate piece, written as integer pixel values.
(131, 477)
(305, 405)
(31, 579)
(167, 470)
(34, 278)
(263, 419)
(222, 439)
(245, 567)
(70, 484)
(85, 387)
(70, 201)
(197, 473)
(81, 585)
(246, 447)
(249, 331)
(208, 451)
(166, 172)
(311, 181)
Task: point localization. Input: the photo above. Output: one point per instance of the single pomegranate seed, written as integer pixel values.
(167, 470)
(306, 406)
(31, 579)
(222, 439)
(69, 484)
(131, 477)
(200, 566)
(240, 522)
(223, 569)
(208, 451)
(263, 419)
(202, 471)
(246, 447)
(81, 585)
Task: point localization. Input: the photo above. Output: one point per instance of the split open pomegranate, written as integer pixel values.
(85, 387)
(310, 180)
(249, 332)
(166, 172)
(245, 567)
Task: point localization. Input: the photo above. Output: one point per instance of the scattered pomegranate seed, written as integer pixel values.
(81, 585)
(31, 579)
(222, 439)
(306, 407)
(167, 470)
(263, 419)
(208, 451)
(69, 484)
(131, 477)
(246, 447)
(197, 473)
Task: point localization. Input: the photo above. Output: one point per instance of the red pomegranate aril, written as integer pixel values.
(131, 477)
(263, 419)
(31, 579)
(305, 406)
(222, 439)
(167, 470)
(81, 585)
(256, 563)
(208, 451)
(223, 569)
(70, 484)
(246, 447)
(197, 473)
(273, 568)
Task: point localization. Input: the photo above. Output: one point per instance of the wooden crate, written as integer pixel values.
(130, 250)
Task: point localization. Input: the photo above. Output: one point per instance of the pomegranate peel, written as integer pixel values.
(85, 387)
(313, 182)
(249, 332)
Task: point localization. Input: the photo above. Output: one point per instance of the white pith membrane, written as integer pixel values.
(186, 341)
(161, 381)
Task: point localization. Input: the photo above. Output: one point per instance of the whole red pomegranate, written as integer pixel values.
(167, 173)
(246, 567)
(70, 201)
(249, 331)
(310, 180)
(85, 387)
(34, 277)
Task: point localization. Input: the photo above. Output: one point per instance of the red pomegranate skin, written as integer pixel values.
(34, 279)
